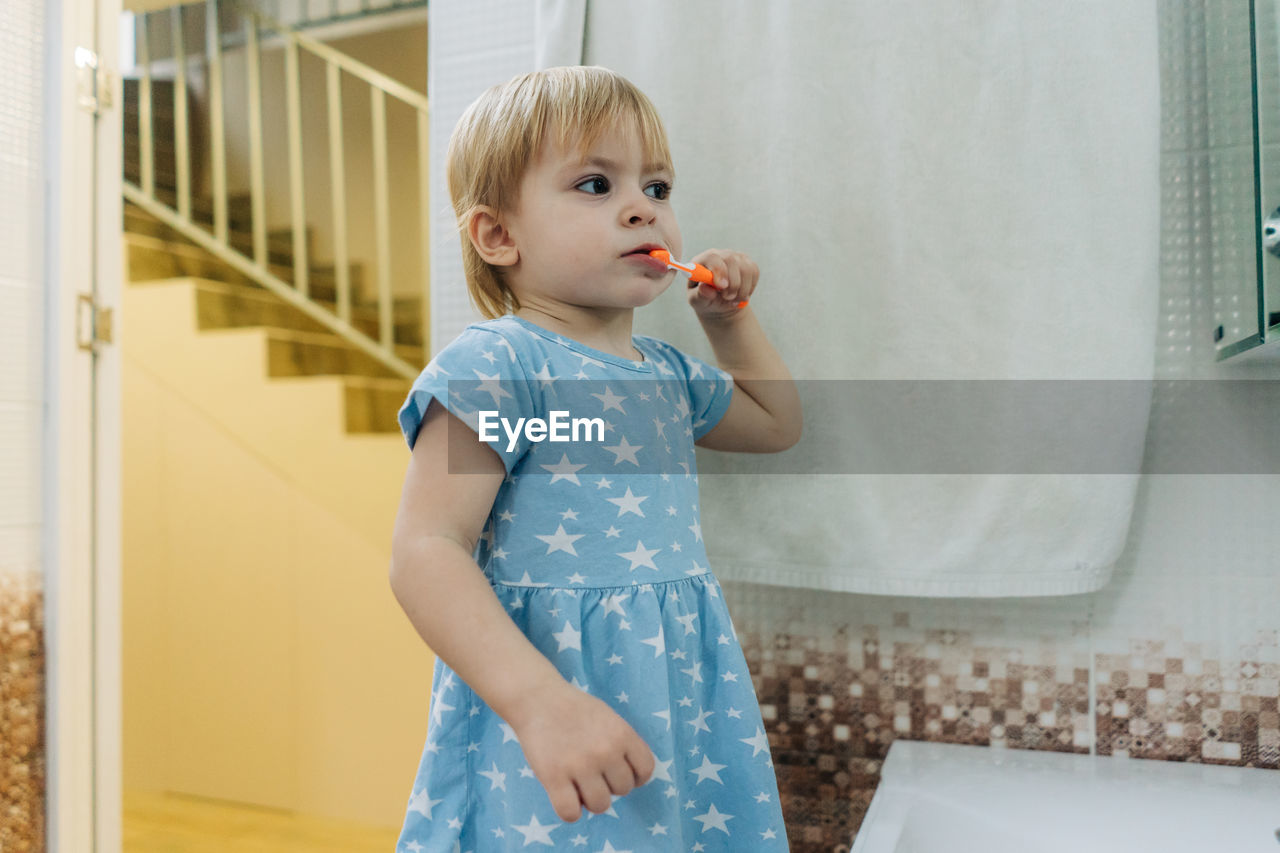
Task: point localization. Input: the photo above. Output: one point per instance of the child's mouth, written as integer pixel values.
(644, 259)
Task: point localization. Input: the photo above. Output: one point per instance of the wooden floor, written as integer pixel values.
(173, 823)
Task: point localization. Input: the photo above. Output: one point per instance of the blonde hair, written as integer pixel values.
(502, 133)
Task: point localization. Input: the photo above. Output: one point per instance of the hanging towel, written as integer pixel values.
(933, 190)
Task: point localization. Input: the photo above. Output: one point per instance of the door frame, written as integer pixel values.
(81, 437)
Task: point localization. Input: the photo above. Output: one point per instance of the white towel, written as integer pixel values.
(933, 190)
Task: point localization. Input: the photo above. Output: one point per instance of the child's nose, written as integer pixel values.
(640, 214)
(638, 208)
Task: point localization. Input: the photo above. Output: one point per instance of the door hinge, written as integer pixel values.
(94, 85)
(97, 331)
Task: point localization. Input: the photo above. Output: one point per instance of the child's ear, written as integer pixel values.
(491, 238)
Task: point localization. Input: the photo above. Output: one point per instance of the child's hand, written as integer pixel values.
(735, 280)
(582, 752)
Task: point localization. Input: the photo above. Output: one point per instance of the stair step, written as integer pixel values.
(279, 240)
(239, 207)
(372, 405)
(224, 306)
(155, 258)
(294, 353)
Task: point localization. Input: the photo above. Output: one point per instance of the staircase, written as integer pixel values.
(295, 345)
(263, 468)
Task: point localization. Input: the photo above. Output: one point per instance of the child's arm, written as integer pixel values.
(435, 578)
(765, 417)
(578, 747)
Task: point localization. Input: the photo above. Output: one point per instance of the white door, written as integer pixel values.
(82, 435)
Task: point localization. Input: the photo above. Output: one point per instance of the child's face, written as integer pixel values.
(584, 225)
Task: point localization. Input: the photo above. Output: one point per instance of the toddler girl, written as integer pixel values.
(585, 656)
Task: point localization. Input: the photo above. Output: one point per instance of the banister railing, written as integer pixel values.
(257, 265)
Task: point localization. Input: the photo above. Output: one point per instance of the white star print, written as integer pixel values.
(492, 385)
(629, 503)
(565, 470)
(659, 646)
(434, 370)
(497, 779)
(528, 581)
(609, 400)
(422, 803)
(613, 604)
(624, 451)
(560, 540)
(758, 742)
(695, 671)
(687, 622)
(568, 638)
(641, 556)
(714, 820)
(699, 722)
(708, 770)
(438, 707)
(534, 831)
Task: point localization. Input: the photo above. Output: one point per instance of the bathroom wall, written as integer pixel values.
(22, 398)
(1178, 658)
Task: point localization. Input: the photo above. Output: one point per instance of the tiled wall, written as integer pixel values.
(22, 292)
(1177, 658)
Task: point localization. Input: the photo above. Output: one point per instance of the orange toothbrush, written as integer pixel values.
(697, 272)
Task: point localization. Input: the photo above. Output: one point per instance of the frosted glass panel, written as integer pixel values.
(1268, 98)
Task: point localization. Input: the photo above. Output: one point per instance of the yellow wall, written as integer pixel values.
(265, 657)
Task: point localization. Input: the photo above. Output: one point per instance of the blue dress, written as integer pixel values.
(594, 547)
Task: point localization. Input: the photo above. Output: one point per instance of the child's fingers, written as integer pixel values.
(565, 800)
(619, 777)
(642, 761)
(593, 792)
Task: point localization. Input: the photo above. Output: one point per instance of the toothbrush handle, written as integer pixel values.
(701, 274)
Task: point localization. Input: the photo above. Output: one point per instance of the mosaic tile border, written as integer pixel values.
(831, 715)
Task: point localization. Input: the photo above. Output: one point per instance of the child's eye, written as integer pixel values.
(662, 189)
(598, 184)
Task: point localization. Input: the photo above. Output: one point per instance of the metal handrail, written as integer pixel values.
(257, 268)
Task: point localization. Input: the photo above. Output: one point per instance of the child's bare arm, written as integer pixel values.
(577, 746)
(765, 417)
(435, 578)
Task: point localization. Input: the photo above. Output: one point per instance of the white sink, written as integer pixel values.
(944, 798)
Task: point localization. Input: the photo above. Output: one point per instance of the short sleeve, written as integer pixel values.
(710, 389)
(479, 379)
